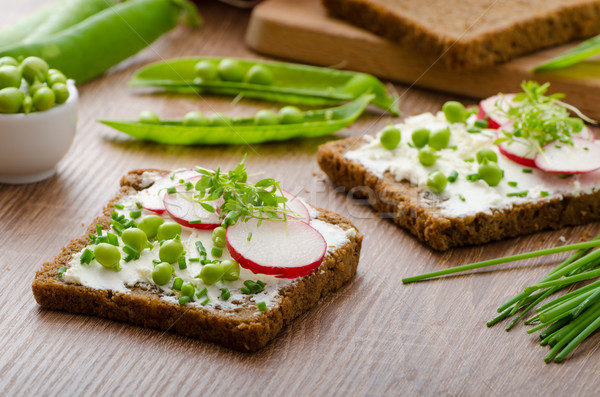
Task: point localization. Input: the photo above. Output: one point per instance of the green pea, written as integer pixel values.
(219, 242)
(56, 78)
(168, 231)
(149, 117)
(231, 270)
(149, 224)
(194, 118)
(427, 156)
(27, 105)
(437, 181)
(220, 119)
(207, 71)
(486, 153)
(35, 85)
(34, 68)
(490, 172)
(259, 74)
(291, 115)
(230, 70)
(11, 99)
(210, 273)
(439, 139)
(575, 123)
(170, 251)
(9, 61)
(266, 117)
(219, 231)
(61, 92)
(455, 112)
(10, 76)
(420, 137)
(188, 290)
(390, 137)
(44, 99)
(162, 273)
(135, 238)
(107, 255)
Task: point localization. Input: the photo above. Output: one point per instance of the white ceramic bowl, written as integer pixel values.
(32, 144)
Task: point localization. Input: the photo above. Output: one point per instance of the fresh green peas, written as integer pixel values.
(168, 231)
(135, 238)
(490, 172)
(420, 137)
(35, 85)
(390, 137)
(188, 290)
(162, 273)
(56, 78)
(171, 250)
(34, 68)
(220, 119)
(266, 117)
(231, 270)
(437, 181)
(8, 61)
(207, 71)
(219, 231)
(61, 92)
(44, 99)
(194, 118)
(11, 99)
(107, 255)
(291, 115)
(149, 117)
(427, 156)
(486, 153)
(439, 139)
(259, 74)
(210, 273)
(455, 112)
(219, 242)
(149, 224)
(27, 105)
(230, 70)
(10, 76)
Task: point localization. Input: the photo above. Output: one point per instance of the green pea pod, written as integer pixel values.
(89, 48)
(18, 31)
(292, 83)
(70, 13)
(243, 130)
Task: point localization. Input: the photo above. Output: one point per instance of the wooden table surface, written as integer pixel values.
(373, 337)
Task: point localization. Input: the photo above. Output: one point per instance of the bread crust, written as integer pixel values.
(405, 205)
(243, 329)
(473, 34)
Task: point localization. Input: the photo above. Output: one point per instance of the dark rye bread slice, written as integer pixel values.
(405, 205)
(471, 34)
(243, 329)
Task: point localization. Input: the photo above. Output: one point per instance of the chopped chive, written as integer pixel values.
(156, 261)
(114, 215)
(182, 264)
(262, 306)
(481, 123)
(473, 130)
(473, 177)
(216, 251)
(453, 147)
(249, 236)
(112, 239)
(86, 257)
(527, 170)
(184, 300)
(462, 198)
(181, 181)
(557, 146)
(172, 176)
(205, 301)
(544, 193)
(201, 249)
(564, 176)
(171, 190)
(245, 291)
(132, 252)
(518, 194)
(225, 294)
(61, 271)
(586, 148)
(411, 145)
(177, 284)
(194, 259)
(119, 206)
(513, 184)
(469, 160)
(189, 186)
(98, 229)
(139, 205)
(195, 222)
(201, 293)
(135, 214)
(453, 176)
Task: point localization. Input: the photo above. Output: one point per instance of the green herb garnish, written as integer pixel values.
(544, 193)
(61, 271)
(225, 294)
(262, 306)
(119, 206)
(527, 170)
(518, 194)
(201, 293)
(87, 256)
(181, 262)
(575, 55)
(251, 287)
(184, 300)
(462, 198)
(513, 184)
(177, 284)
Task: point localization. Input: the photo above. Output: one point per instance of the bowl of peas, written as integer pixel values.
(38, 119)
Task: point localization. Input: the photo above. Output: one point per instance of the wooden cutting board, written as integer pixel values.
(302, 31)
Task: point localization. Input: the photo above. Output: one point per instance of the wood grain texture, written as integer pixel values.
(374, 337)
(302, 31)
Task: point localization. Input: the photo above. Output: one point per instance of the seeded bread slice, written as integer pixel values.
(243, 329)
(404, 203)
(471, 34)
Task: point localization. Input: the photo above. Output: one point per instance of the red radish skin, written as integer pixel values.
(184, 211)
(296, 205)
(569, 159)
(291, 251)
(519, 152)
(487, 108)
(152, 198)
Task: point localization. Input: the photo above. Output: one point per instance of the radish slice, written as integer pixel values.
(185, 211)
(296, 205)
(286, 251)
(152, 198)
(520, 151)
(488, 108)
(580, 158)
(585, 133)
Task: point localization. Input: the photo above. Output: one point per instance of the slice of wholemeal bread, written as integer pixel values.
(475, 33)
(415, 210)
(239, 325)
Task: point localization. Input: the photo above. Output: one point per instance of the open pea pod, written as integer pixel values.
(291, 83)
(244, 130)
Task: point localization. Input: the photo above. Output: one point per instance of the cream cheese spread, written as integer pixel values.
(94, 275)
(464, 197)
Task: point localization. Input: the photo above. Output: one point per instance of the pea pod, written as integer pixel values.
(18, 31)
(291, 83)
(92, 46)
(243, 130)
